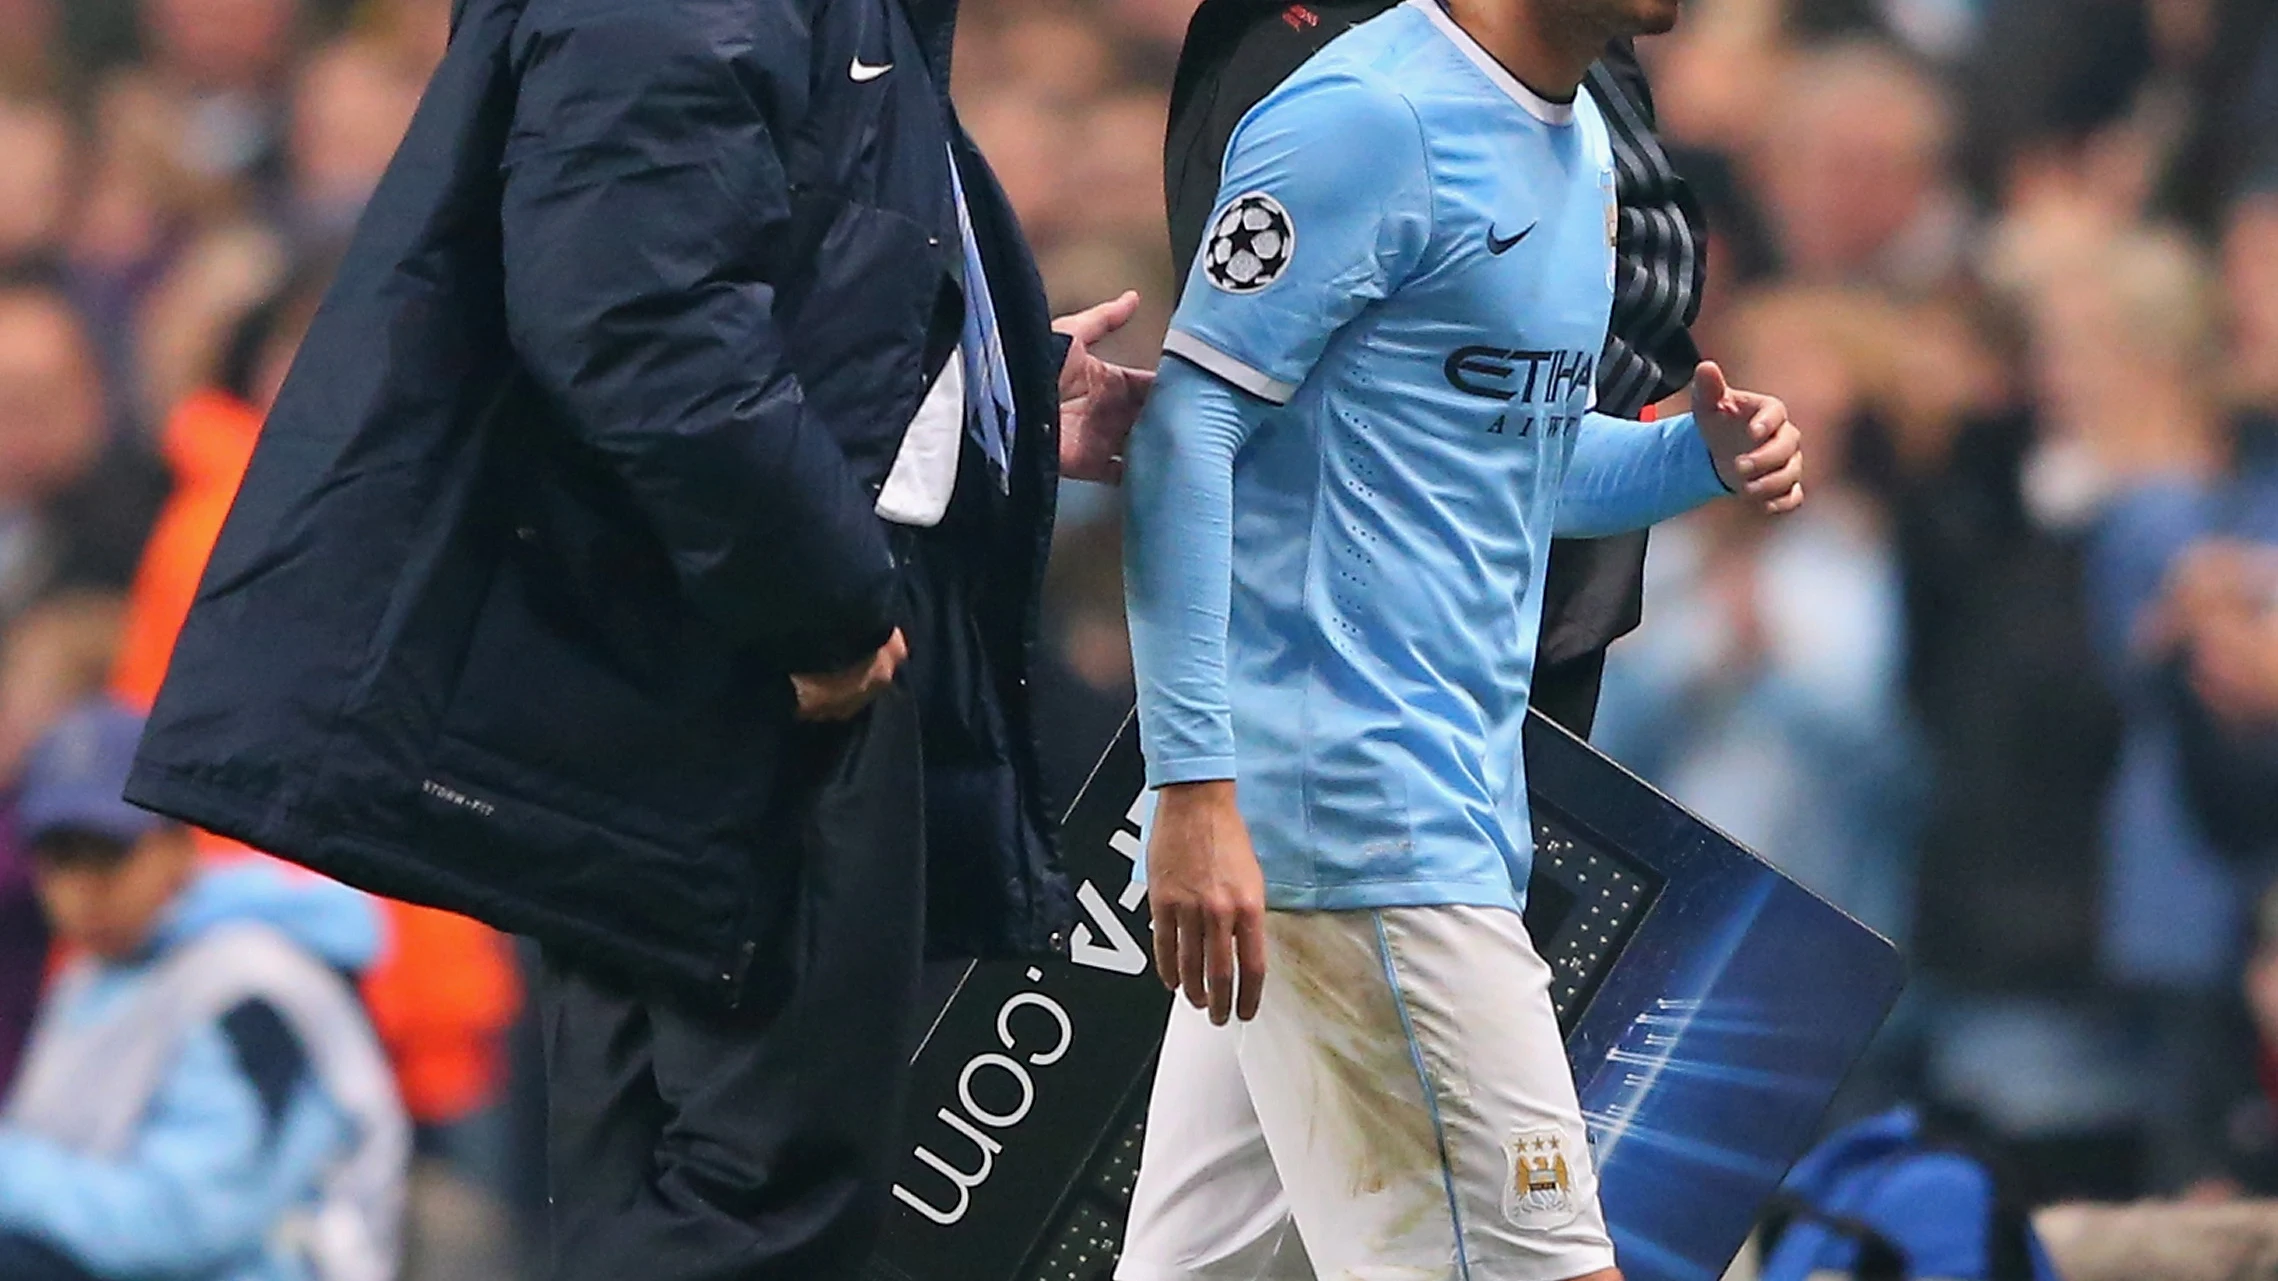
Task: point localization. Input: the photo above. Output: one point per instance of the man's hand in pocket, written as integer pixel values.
(839, 695)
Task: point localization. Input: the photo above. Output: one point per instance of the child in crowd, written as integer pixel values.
(202, 1096)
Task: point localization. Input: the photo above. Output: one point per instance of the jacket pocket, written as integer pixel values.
(589, 687)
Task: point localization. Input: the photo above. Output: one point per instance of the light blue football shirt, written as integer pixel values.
(1335, 581)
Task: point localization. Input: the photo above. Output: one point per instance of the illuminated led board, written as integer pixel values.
(1710, 1008)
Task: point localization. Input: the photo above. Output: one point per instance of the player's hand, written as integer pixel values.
(1208, 898)
(1098, 401)
(837, 696)
(1758, 452)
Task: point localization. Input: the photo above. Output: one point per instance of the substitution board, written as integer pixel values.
(1710, 1008)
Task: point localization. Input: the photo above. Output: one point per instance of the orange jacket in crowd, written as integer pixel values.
(445, 990)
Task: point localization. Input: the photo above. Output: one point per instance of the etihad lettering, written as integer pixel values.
(1520, 375)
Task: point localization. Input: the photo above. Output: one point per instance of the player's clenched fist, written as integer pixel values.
(1208, 898)
(1758, 452)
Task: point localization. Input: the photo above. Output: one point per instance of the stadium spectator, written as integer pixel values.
(211, 94)
(1702, 73)
(2006, 1015)
(31, 54)
(409, 36)
(352, 101)
(2254, 1125)
(444, 989)
(74, 504)
(2131, 344)
(1855, 172)
(1118, 166)
(2250, 277)
(207, 441)
(185, 169)
(202, 1095)
(1764, 690)
(35, 180)
(51, 658)
(2020, 728)
(2215, 628)
(1016, 124)
(2217, 621)
(23, 951)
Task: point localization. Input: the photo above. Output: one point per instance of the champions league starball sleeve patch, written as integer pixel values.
(1250, 244)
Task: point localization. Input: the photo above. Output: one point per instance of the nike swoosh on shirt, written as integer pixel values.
(863, 73)
(1497, 244)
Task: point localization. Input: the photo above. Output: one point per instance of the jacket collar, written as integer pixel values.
(934, 23)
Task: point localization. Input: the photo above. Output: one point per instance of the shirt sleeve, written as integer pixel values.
(1178, 569)
(1625, 475)
(1324, 207)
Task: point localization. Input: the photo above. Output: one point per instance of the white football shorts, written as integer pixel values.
(1401, 1107)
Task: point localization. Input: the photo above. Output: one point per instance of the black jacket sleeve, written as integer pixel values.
(644, 208)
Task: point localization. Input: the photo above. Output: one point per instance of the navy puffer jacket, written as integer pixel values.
(578, 460)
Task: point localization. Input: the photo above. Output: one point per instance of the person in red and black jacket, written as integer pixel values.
(1236, 51)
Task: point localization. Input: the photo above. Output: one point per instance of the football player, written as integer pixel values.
(1375, 410)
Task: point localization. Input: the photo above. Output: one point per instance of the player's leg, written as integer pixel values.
(1408, 1073)
(1208, 1204)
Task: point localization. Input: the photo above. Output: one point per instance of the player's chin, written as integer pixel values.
(1653, 17)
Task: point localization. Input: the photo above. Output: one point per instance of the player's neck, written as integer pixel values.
(1546, 55)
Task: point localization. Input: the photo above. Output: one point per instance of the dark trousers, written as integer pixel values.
(1568, 692)
(695, 1143)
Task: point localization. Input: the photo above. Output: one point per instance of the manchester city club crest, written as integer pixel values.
(1250, 244)
(1546, 1184)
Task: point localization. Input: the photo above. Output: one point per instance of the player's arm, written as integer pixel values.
(1324, 206)
(1333, 171)
(1329, 201)
(1626, 475)
(1178, 569)
(1206, 891)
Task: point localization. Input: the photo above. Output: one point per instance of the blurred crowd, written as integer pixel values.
(2007, 690)
(2004, 689)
